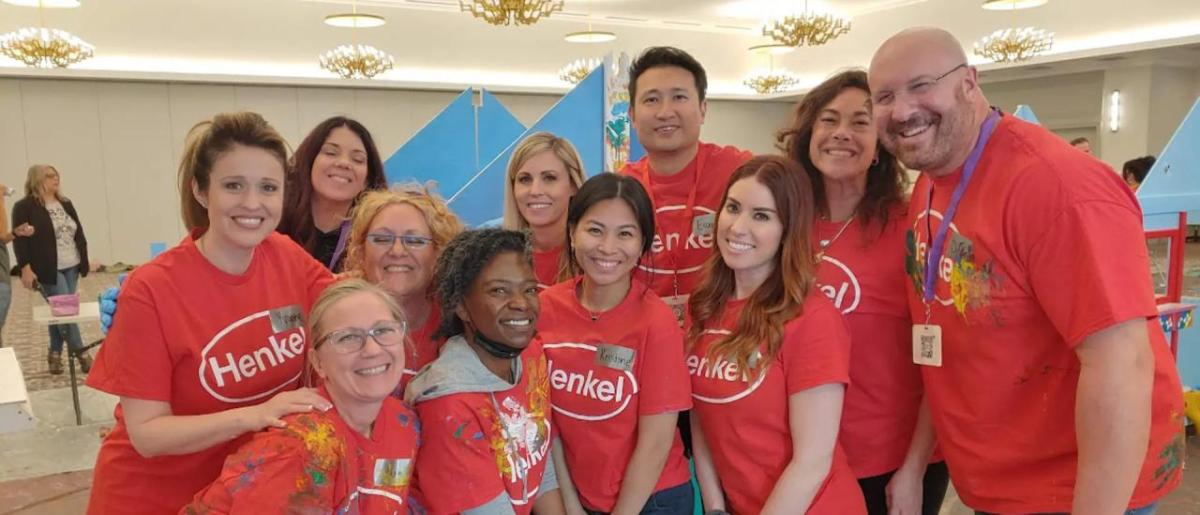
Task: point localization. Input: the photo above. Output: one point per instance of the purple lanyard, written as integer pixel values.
(939, 239)
(343, 235)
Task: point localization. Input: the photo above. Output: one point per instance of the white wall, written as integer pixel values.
(117, 143)
(1172, 95)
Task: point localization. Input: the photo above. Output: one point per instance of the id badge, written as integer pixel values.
(927, 345)
(615, 357)
(678, 304)
(702, 225)
(286, 317)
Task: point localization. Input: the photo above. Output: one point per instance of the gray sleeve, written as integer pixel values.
(549, 479)
(501, 505)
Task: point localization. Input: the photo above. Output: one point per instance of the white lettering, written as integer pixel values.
(278, 346)
(587, 385)
(276, 352)
(219, 371)
(722, 369)
(837, 295)
(246, 365)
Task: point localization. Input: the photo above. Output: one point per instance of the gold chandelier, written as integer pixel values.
(575, 71)
(45, 48)
(356, 61)
(1014, 45)
(772, 81)
(510, 12)
(806, 28)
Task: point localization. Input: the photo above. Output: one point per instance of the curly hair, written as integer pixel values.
(443, 223)
(460, 264)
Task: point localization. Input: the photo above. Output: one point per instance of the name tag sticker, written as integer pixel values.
(927, 345)
(702, 225)
(615, 356)
(285, 318)
(392, 473)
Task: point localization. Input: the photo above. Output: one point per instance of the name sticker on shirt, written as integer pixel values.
(615, 357)
(702, 225)
(392, 473)
(927, 345)
(285, 318)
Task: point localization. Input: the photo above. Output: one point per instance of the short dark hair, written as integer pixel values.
(659, 56)
(462, 261)
(1138, 168)
(606, 186)
(1079, 140)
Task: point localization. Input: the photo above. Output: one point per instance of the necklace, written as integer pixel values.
(825, 244)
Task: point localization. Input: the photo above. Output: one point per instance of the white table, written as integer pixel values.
(88, 312)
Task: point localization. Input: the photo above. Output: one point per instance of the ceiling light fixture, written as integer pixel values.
(49, 4)
(1114, 111)
(589, 35)
(355, 20)
(772, 49)
(805, 28)
(1012, 5)
(41, 47)
(510, 12)
(356, 61)
(1014, 45)
(771, 80)
(575, 71)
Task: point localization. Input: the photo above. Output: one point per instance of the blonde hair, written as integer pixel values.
(527, 149)
(34, 179)
(333, 294)
(444, 225)
(207, 141)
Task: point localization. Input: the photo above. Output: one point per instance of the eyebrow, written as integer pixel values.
(622, 226)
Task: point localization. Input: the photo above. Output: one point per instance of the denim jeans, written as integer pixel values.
(5, 301)
(67, 281)
(1145, 510)
(677, 500)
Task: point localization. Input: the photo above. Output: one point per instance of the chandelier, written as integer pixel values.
(356, 61)
(1014, 45)
(510, 12)
(45, 48)
(771, 81)
(806, 28)
(575, 71)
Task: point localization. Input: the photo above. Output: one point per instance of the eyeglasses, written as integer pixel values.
(353, 339)
(385, 240)
(914, 89)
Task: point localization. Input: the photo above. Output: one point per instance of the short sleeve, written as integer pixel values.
(1090, 269)
(665, 385)
(456, 468)
(135, 360)
(816, 348)
(272, 473)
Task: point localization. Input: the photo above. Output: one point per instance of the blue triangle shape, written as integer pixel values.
(578, 117)
(1173, 183)
(446, 150)
(1025, 112)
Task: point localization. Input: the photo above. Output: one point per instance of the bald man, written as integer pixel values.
(1047, 375)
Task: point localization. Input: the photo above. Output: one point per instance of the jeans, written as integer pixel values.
(5, 301)
(1144, 510)
(937, 477)
(67, 281)
(677, 500)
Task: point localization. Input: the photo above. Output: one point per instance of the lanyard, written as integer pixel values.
(343, 235)
(688, 209)
(939, 239)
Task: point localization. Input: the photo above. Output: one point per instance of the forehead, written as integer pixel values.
(344, 137)
(506, 266)
(752, 194)
(665, 78)
(850, 99)
(357, 309)
(610, 211)
(249, 162)
(541, 161)
(400, 216)
(903, 60)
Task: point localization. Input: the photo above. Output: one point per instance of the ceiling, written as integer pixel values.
(437, 46)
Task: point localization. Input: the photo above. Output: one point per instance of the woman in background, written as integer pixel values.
(543, 173)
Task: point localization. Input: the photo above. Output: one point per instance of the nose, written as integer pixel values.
(902, 109)
(537, 187)
(842, 131)
(737, 224)
(398, 247)
(252, 199)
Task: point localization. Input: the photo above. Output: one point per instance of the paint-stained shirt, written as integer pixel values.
(1045, 250)
(318, 464)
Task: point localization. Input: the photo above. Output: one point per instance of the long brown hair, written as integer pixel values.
(781, 297)
(208, 141)
(886, 179)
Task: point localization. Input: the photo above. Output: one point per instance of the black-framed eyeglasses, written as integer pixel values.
(915, 89)
(352, 339)
(385, 240)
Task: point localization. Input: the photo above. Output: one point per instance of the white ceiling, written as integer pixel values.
(436, 46)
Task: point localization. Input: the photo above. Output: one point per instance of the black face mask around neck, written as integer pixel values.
(495, 348)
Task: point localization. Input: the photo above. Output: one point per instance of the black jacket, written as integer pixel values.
(40, 251)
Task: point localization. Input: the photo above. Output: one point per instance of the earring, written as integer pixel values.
(875, 162)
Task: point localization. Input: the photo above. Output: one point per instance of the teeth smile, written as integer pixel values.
(339, 178)
(373, 371)
(538, 205)
(840, 153)
(738, 246)
(524, 322)
(913, 132)
(248, 221)
(398, 268)
(606, 264)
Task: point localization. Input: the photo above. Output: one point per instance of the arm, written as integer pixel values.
(23, 247)
(904, 491)
(655, 435)
(6, 236)
(566, 488)
(711, 495)
(550, 502)
(814, 416)
(155, 431)
(1112, 416)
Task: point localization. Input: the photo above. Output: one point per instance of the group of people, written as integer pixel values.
(843, 349)
(1134, 171)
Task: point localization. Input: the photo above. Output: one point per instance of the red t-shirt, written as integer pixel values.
(423, 348)
(678, 251)
(862, 272)
(605, 372)
(479, 445)
(545, 266)
(746, 423)
(318, 464)
(204, 341)
(1046, 249)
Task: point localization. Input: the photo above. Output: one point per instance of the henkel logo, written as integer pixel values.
(945, 264)
(839, 283)
(240, 365)
(728, 383)
(591, 391)
(668, 241)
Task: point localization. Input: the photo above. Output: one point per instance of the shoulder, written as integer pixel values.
(1046, 167)
(635, 168)
(24, 203)
(818, 311)
(654, 308)
(558, 294)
